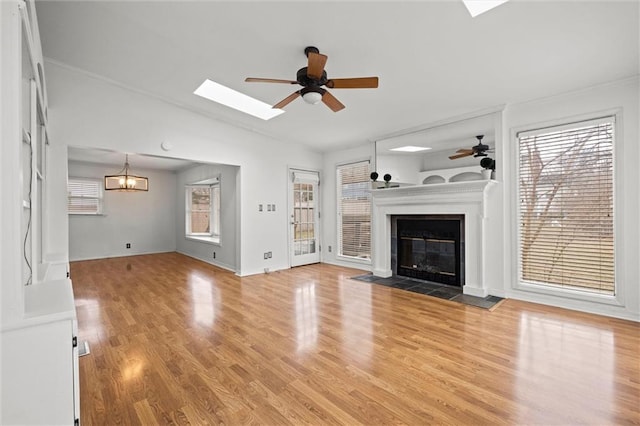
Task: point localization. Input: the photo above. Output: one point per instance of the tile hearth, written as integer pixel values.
(440, 291)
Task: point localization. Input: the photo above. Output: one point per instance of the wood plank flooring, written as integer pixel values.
(177, 341)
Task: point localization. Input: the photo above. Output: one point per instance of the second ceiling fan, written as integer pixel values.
(313, 77)
(479, 150)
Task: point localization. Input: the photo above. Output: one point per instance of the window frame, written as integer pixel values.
(100, 198)
(339, 254)
(213, 236)
(617, 299)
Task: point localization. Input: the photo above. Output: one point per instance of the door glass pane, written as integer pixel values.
(310, 231)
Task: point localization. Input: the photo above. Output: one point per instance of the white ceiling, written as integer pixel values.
(434, 61)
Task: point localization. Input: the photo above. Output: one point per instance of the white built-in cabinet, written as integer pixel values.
(39, 353)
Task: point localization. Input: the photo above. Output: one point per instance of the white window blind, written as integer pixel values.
(84, 196)
(354, 210)
(566, 206)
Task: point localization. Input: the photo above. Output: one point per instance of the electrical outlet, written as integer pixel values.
(266, 255)
(329, 248)
(273, 207)
(259, 207)
(128, 245)
(269, 254)
(214, 254)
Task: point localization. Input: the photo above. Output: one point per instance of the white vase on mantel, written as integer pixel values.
(486, 174)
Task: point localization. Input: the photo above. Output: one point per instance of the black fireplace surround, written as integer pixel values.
(428, 247)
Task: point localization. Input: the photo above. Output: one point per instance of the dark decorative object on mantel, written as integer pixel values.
(387, 179)
(488, 163)
(374, 176)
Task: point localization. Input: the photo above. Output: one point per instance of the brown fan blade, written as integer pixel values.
(466, 154)
(465, 150)
(268, 80)
(316, 64)
(353, 83)
(287, 100)
(330, 101)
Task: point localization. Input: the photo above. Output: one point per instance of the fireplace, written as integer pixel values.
(429, 247)
(473, 201)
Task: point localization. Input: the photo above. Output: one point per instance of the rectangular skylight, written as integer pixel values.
(410, 148)
(216, 92)
(476, 7)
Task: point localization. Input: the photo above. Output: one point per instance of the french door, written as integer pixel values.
(304, 216)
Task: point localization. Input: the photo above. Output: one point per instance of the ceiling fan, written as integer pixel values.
(479, 150)
(313, 77)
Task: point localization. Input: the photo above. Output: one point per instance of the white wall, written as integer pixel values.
(594, 102)
(227, 248)
(146, 220)
(86, 111)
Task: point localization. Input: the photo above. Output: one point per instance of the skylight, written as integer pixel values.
(410, 148)
(216, 92)
(476, 7)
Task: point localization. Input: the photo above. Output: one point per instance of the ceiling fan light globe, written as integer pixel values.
(312, 97)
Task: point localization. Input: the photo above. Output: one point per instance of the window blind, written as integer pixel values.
(84, 196)
(566, 217)
(354, 210)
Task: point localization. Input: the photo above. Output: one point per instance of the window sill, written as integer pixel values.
(87, 214)
(202, 239)
(352, 259)
(568, 293)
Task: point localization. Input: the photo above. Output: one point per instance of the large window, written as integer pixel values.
(84, 196)
(566, 206)
(354, 210)
(203, 210)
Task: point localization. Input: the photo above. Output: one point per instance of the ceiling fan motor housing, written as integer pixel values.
(305, 80)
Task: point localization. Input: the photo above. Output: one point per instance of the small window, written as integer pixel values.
(84, 196)
(354, 210)
(203, 210)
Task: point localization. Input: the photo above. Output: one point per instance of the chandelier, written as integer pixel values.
(125, 181)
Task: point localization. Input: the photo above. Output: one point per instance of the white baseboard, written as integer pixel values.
(80, 259)
(474, 291)
(210, 261)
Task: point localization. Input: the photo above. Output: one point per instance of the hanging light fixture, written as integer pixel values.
(124, 181)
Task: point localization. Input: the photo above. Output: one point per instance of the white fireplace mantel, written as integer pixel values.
(463, 198)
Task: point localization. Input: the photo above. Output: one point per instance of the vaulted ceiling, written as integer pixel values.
(433, 59)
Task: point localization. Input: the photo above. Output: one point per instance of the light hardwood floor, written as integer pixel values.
(177, 341)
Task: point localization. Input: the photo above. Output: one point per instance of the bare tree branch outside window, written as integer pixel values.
(566, 207)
